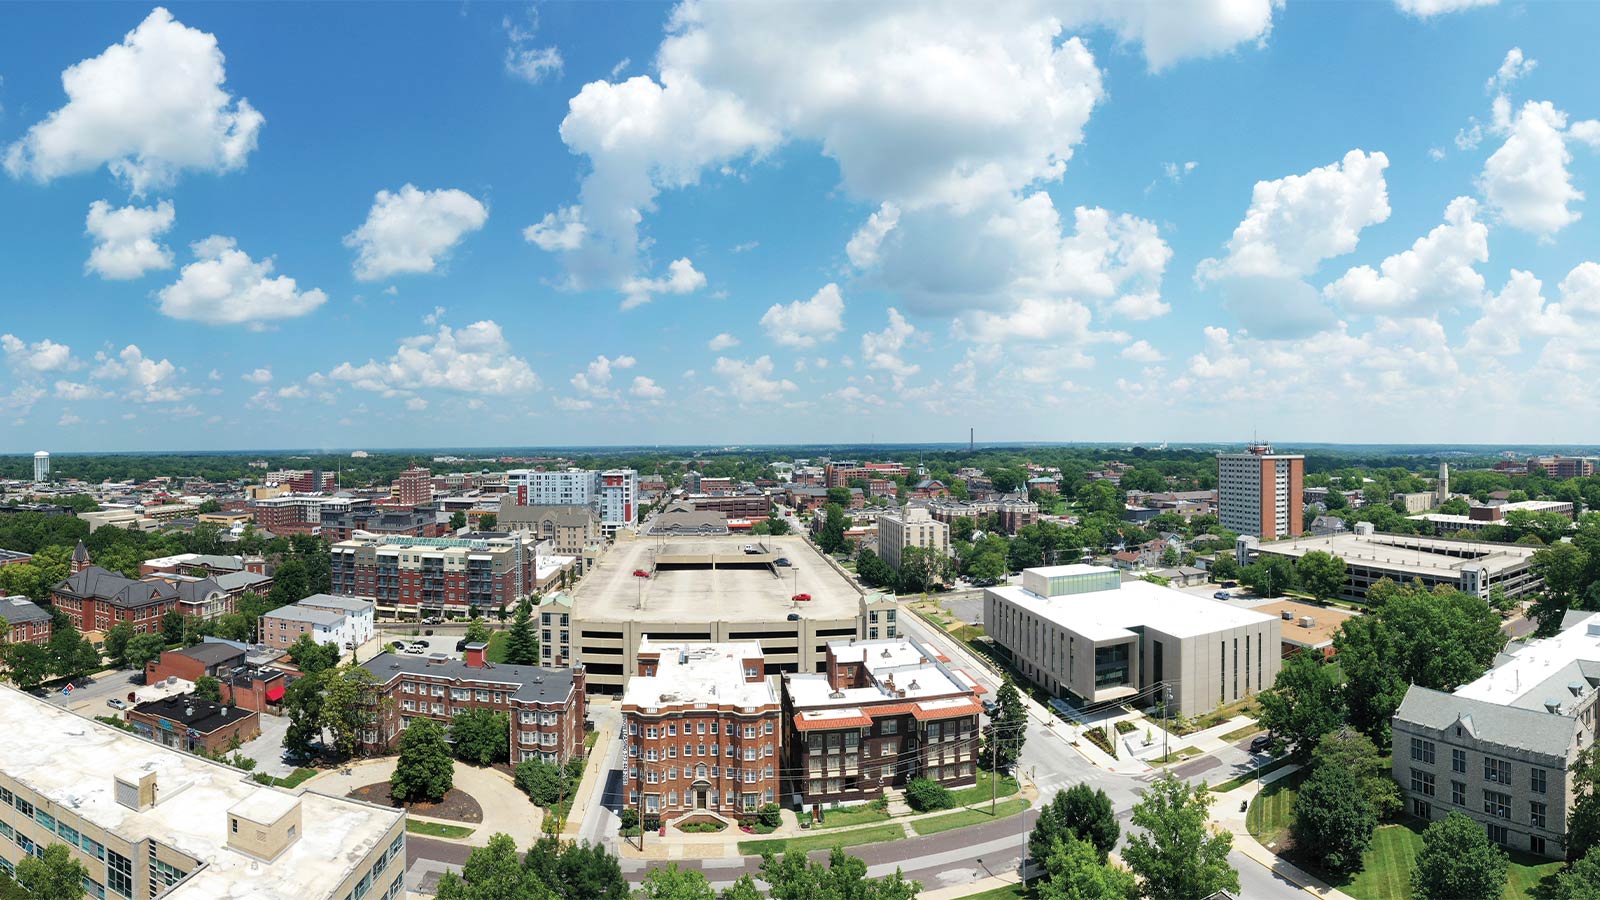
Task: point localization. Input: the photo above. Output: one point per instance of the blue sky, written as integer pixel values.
(349, 225)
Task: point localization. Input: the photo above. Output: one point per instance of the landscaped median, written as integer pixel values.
(827, 840)
(435, 829)
(963, 818)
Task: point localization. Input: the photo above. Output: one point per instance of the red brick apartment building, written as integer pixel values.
(414, 487)
(703, 725)
(882, 713)
(546, 706)
(24, 622)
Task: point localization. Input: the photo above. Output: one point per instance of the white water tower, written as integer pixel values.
(41, 466)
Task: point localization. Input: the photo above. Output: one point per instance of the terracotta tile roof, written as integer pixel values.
(801, 723)
(945, 712)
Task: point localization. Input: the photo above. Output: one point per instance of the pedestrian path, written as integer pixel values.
(1227, 816)
(505, 808)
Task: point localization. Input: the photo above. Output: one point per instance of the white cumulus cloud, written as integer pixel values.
(804, 323)
(749, 382)
(413, 230)
(1436, 273)
(259, 376)
(560, 230)
(476, 359)
(39, 356)
(646, 389)
(722, 342)
(126, 244)
(144, 379)
(224, 286)
(681, 278)
(1427, 9)
(863, 246)
(149, 108)
(1526, 181)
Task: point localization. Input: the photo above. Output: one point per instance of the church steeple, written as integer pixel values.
(80, 558)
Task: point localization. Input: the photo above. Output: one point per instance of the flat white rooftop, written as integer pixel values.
(1072, 569)
(73, 761)
(700, 672)
(1409, 554)
(1522, 679)
(699, 579)
(1109, 615)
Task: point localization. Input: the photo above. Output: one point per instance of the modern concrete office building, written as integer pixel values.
(148, 821)
(1081, 631)
(1501, 748)
(1475, 567)
(719, 589)
(1260, 492)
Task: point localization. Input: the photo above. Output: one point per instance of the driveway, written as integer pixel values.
(267, 749)
(505, 808)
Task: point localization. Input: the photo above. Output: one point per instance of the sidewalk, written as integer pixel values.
(505, 808)
(593, 780)
(1226, 815)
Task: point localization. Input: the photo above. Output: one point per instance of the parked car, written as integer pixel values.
(428, 632)
(794, 617)
(414, 649)
(989, 707)
(1261, 743)
(461, 645)
(640, 573)
(1222, 595)
(1230, 584)
(801, 598)
(782, 561)
(114, 703)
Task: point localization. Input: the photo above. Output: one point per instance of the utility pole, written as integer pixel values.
(994, 766)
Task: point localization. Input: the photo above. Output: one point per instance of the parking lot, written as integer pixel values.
(438, 643)
(90, 697)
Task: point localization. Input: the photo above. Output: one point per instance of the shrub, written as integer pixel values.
(1125, 727)
(629, 817)
(926, 795)
(1100, 738)
(770, 815)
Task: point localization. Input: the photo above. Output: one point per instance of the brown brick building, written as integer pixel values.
(703, 725)
(214, 658)
(412, 576)
(95, 599)
(883, 713)
(186, 722)
(24, 622)
(546, 706)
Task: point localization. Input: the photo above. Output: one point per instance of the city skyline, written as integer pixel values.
(567, 225)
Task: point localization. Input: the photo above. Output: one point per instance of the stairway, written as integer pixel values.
(896, 798)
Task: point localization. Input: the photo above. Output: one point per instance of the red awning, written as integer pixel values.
(275, 693)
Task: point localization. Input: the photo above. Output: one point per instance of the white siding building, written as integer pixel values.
(912, 527)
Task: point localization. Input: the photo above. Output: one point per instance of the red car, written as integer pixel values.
(640, 573)
(801, 598)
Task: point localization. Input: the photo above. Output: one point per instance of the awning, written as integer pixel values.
(275, 693)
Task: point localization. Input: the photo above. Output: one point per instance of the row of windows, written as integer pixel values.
(651, 754)
(1495, 771)
(747, 802)
(1495, 803)
(700, 727)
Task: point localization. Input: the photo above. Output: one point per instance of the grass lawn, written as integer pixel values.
(981, 791)
(295, 779)
(1238, 733)
(874, 835)
(864, 814)
(434, 829)
(1009, 892)
(1386, 869)
(497, 646)
(1268, 816)
(966, 817)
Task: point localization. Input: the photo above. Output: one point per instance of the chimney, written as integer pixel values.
(477, 655)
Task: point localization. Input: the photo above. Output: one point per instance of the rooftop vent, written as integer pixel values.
(1307, 621)
(1576, 687)
(836, 695)
(1288, 615)
(1553, 706)
(1594, 629)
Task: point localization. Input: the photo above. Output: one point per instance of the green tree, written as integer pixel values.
(1563, 567)
(116, 643)
(576, 870)
(302, 704)
(522, 641)
(143, 649)
(834, 522)
(546, 783)
(1583, 816)
(424, 770)
(1457, 862)
(478, 631)
(27, 665)
(672, 883)
(208, 688)
(1304, 703)
(839, 495)
(777, 525)
(1007, 730)
(313, 657)
(1176, 855)
(742, 889)
(458, 520)
(345, 710)
(1579, 881)
(874, 571)
(843, 877)
(1333, 819)
(53, 876)
(172, 626)
(1078, 813)
(1224, 567)
(72, 655)
(481, 737)
(488, 523)
(1320, 574)
(1437, 639)
(1075, 870)
(1268, 576)
(493, 872)
(1348, 749)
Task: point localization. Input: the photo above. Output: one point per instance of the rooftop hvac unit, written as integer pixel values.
(1307, 621)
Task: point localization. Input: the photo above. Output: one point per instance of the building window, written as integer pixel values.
(1422, 782)
(1536, 814)
(1536, 844)
(1421, 809)
(1499, 835)
(1458, 760)
(119, 874)
(1422, 751)
(1458, 793)
(1538, 778)
(1497, 804)
(1497, 771)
